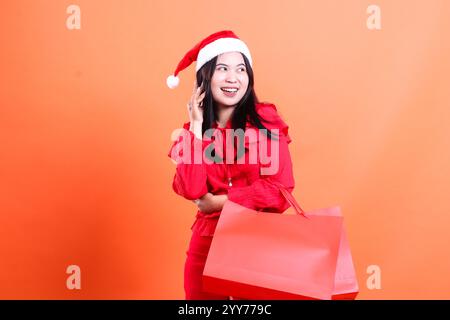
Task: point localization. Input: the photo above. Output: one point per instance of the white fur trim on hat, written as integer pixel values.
(172, 81)
(220, 46)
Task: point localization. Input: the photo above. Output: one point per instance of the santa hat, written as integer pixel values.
(210, 47)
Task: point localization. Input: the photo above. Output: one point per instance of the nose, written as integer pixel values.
(231, 77)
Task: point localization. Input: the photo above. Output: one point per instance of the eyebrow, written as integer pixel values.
(223, 64)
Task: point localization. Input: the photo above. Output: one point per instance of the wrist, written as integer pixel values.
(221, 200)
(196, 128)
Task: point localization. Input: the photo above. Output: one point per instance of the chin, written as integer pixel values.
(229, 102)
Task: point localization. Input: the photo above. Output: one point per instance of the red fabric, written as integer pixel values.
(249, 189)
(193, 269)
(192, 54)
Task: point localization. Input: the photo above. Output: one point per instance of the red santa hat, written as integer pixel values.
(210, 47)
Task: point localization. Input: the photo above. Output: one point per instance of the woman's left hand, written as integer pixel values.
(210, 203)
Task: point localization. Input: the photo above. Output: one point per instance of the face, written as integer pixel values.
(230, 79)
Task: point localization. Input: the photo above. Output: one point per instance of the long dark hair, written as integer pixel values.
(244, 110)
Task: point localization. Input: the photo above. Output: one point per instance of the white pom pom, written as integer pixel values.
(172, 82)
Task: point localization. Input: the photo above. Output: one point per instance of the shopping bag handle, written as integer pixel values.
(289, 198)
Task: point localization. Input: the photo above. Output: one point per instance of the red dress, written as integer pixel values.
(248, 188)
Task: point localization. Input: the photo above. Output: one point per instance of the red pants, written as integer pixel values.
(193, 269)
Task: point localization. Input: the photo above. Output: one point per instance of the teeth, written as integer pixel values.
(229, 90)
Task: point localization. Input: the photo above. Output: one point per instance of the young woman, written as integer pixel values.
(223, 100)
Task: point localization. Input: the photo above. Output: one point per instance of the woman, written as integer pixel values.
(223, 100)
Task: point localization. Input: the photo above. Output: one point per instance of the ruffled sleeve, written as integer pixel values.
(273, 119)
(190, 176)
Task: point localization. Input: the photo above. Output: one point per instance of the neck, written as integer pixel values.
(224, 114)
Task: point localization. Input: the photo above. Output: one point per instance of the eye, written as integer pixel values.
(243, 69)
(221, 67)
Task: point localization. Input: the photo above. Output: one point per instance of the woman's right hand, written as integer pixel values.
(195, 107)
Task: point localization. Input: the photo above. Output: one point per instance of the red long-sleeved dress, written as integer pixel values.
(248, 188)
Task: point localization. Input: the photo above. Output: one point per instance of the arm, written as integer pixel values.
(189, 180)
(190, 176)
(262, 194)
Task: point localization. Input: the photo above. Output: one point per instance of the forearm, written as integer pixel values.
(264, 195)
(190, 177)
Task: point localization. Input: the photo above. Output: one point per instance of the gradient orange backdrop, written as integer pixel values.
(86, 118)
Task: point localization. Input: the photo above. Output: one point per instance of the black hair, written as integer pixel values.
(244, 110)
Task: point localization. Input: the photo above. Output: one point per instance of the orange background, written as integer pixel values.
(86, 118)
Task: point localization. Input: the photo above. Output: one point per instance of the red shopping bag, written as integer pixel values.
(262, 255)
(345, 282)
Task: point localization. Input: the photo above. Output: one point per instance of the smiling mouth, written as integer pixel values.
(229, 90)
